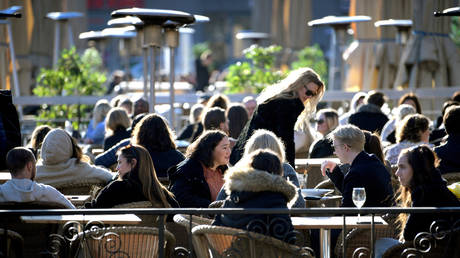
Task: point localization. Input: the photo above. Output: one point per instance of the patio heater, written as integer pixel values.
(252, 37)
(138, 24)
(171, 31)
(124, 34)
(402, 26)
(340, 25)
(12, 12)
(97, 37)
(62, 18)
(153, 19)
(454, 11)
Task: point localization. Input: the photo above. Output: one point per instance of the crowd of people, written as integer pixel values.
(242, 155)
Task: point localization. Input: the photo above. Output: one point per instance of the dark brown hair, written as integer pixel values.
(17, 159)
(373, 145)
(451, 120)
(237, 118)
(38, 135)
(213, 117)
(154, 134)
(414, 98)
(201, 150)
(412, 127)
(218, 100)
(266, 160)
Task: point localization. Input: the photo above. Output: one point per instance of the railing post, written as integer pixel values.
(372, 236)
(344, 234)
(190, 242)
(161, 238)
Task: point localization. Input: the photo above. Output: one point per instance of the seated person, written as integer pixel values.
(137, 181)
(365, 170)
(214, 119)
(389, 130)
(116, 125)
(449, 152)
(326, 121)
(96, 127)
(421, 186)
(21, 187)
(412, 131)
(256, 182)
(196, 181)
(62, 161)
(37, 137)
(194, 119)
(370, 116)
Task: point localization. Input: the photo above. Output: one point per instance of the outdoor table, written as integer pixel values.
(313, 169)
(325, 224)
(4, 176)
(78, 200)
(62, 219)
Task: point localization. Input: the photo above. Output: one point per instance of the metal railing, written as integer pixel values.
(162, 212)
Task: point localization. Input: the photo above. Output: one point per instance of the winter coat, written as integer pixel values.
(288, 174)
(250, 188)
(432, 194)
(369, 117)
(57, 167)
(26, 190)
(188, 184)
(10, 129)
(366, 171)
(449, 155)
(278, 115)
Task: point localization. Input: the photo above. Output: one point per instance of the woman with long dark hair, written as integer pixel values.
(282, 108)
(197, 180)
(137, 182)
(421, 186)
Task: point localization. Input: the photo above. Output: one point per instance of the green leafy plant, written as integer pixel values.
(313, 57)
(254, 76)
(72, 76)
(455, 30)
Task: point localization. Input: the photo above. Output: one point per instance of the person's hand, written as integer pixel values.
(327, 165)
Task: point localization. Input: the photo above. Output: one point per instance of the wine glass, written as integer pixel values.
(359, 198)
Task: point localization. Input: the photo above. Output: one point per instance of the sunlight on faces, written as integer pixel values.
(308, 91)
(221, 153)
(123, 166)
(321, 125)
(404, 172)
(340, 150)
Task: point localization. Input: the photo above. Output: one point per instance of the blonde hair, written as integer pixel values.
(350, 135)
(331, 118)
(264, 139)
(117, 117)
(100, 111)
(288, 87)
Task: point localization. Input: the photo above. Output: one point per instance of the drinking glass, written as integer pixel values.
(359, 198)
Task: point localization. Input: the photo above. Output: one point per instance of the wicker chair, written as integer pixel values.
(361, 237)
(131, 242)
(14, 244)
(440, 250)
(147, 220)
(452, 177)
(80, 187)
(35, 235)
(183, 230)
(225, 242)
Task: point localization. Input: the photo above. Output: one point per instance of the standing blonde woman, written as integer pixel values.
(283, 107)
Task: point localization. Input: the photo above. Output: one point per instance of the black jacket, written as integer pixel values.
(122, 191)
(365, 171)
(276, 115)
(258, 189)
(369, 117)
(162, 161)
(434, 194)
(119, 134)
(188, 184)
(449, 155)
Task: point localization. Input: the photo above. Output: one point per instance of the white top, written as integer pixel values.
(26, 190)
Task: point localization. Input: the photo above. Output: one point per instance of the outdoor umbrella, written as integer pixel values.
(430, 58)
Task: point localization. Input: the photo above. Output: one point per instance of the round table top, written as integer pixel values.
(338, 20)
(155, 16)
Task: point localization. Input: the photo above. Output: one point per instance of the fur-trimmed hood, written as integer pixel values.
(253, 180)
